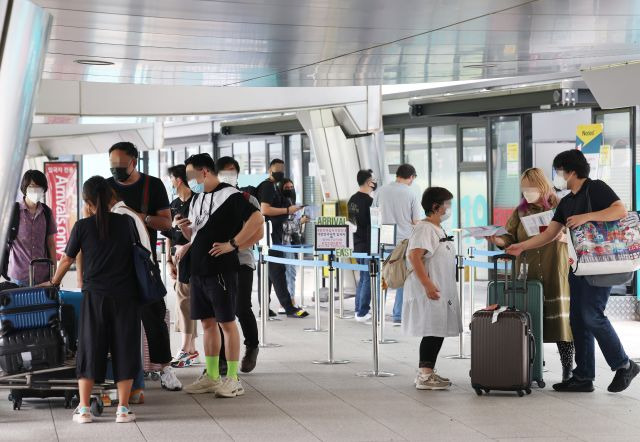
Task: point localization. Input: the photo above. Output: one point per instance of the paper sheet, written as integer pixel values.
(532, 224)
(484, 231)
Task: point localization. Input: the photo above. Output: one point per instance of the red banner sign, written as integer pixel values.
(62, 197)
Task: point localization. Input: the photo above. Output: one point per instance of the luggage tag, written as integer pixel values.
(496, 313)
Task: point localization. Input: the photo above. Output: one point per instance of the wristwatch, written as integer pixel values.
(233, 243)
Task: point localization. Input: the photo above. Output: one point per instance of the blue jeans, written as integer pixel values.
(589, 323)
(363, 291)
(397, 305)
(290, 272)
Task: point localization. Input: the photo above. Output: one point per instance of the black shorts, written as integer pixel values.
(214, 297)
(108, 324)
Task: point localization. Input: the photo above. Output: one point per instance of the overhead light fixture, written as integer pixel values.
(480, 65)
(95, 62)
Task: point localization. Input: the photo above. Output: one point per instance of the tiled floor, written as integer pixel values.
(290, 399)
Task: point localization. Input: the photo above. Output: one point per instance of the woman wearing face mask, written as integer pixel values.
(431, 309)
(548, 264)
(292, 228)
(31, 235)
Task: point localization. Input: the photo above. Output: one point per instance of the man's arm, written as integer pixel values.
(161, 221)
(268, 210)
(537, 241)
(614, 212)
(51, 248)
(250, 230)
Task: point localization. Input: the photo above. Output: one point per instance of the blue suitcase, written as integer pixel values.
(29, 307)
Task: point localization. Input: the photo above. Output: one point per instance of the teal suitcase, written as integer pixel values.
(529, 298)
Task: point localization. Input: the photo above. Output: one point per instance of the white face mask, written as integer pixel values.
(35, 194)
(559, 182)
(447, 214)
(531, 196)
(229, 177)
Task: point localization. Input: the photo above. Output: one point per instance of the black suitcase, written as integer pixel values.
(30, 350)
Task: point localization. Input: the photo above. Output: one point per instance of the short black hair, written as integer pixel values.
(201, 161)
(406, 171)
(223, 162)
(179, 171)
(38, 178)
(363, 176)
(434, 195)
(276, 161)
(127, 147)
(572, 160)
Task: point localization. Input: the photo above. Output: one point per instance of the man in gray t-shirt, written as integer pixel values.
(399, 205)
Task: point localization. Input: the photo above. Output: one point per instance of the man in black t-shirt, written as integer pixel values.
(220, 222)
(179, 268)
(147, 196)
(359, 206)
(276, 209)
(589, 200)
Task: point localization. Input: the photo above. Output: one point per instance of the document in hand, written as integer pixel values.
(536, 224)
(484, 231)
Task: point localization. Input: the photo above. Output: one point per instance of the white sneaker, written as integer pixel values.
(431, 382)
(124, 415)
(169, 380)
(230, 388)
(364, 318)
(82, 415)
(204, 384)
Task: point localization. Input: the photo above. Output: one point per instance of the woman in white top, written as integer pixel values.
(431, 308)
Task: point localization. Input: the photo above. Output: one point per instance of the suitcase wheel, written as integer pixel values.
(17, 403)
(541, 384)
(10, 398)
(68, 399)
(520, 393)
(478, 391)
(486, 390)
(97, 406)
(528, 391)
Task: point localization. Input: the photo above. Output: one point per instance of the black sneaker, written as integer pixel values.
(249, 360)
(623, 377)
(298, 314)
(573, 385)
(272, 314)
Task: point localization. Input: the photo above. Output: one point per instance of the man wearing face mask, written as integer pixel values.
(399, 205)
(32, 232)
(228, 171)
(587, 303)
(148, 197)
(276, 209)
(359, 214)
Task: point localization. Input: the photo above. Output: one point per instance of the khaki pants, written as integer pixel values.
(184, 323)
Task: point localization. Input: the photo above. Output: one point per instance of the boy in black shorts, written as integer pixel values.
(220, 222)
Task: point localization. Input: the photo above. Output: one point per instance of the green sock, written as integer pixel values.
(232, 369)
(213, 366)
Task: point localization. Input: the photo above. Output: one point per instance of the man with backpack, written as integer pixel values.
(400, 206)
(32, 232)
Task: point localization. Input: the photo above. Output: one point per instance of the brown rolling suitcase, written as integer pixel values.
(502, 347)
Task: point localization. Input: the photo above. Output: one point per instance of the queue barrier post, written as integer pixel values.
(316, 269)
(383, 301)
(301, 257)
(341, 313)
(163, 258)
(472, 283)
(460, 278)
(376, 372)
(332, 323)
(264, 297)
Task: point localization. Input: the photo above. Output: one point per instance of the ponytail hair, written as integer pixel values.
(97, 191)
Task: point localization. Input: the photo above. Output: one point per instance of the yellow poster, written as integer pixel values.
(589, 138)
(605, 155)
(512, 152)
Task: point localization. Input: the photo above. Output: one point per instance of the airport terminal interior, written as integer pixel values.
(396, 100)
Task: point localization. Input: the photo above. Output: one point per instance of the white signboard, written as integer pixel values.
(388, 234)
(330, 238)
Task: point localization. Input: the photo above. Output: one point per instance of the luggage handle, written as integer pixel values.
(506, 258)
(532, 347)
(32, 265)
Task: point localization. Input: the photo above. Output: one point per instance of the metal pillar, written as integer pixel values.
(264, 298)
(460, 278)
(316, 269)
(373, 275)
(332, 322)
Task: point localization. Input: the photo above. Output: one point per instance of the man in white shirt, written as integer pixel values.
(399, 205)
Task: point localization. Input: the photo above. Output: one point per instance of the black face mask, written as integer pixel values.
(120, 173)
(278, 176)
(291, 194)
(374, 186)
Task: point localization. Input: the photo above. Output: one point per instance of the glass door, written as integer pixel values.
(505, 158)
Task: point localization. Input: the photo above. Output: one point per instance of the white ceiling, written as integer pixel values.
(334, 43)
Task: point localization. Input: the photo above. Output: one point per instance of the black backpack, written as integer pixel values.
(13, 234)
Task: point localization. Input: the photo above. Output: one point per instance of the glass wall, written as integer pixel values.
(505, 146)
(241, 155)
(444, 167)
(258, 156)
(392, 155)
(416, 153)
(295, 164)
(275, 151)
(618, 170)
